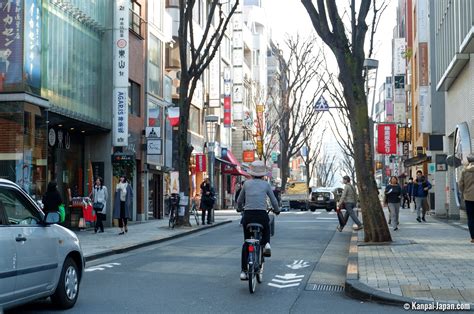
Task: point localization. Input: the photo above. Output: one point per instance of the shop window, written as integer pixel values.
(135, 17)
(134, 98)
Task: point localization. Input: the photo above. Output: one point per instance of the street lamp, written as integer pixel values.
(211, 125)
(371, 65)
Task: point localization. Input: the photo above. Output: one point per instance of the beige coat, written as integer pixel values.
(466, 182)
(349, 195)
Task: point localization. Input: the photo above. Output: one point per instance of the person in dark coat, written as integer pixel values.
(123, 204)
(51, 199)
(207, 201)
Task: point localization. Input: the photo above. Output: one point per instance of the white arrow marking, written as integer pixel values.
(298, 264)
(283, 286)
(101, 267)
(286, 281)
(289, 276)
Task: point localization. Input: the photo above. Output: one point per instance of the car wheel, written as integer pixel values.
(328, 209)
(67, 290)
(313, 209)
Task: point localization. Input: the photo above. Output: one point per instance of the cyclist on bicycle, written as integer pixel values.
(254, 195)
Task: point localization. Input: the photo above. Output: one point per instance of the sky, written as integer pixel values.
(290, 17)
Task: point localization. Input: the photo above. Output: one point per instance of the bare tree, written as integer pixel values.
(326, 169)
(195, 55)
(313, 146)
(300, 86)
(348, 47)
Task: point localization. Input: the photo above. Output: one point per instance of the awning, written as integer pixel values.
(230, 165)
(418, 159)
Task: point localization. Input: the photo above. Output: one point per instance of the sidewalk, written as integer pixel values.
(426, 262)
(139, 234)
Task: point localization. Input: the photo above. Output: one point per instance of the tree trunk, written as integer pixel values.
(184, 149)
(375, 225)
(285, 168)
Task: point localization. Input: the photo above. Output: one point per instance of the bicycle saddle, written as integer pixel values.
(254, 225)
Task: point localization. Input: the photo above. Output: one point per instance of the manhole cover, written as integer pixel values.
(324, 287)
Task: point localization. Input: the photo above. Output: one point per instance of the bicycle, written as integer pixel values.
(194, 211)
(255, 258)
(173, 213)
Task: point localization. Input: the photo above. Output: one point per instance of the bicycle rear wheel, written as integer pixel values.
(252, 274)
(172, 220)
(196, 216)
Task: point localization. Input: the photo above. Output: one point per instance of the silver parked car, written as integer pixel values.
(38, 258)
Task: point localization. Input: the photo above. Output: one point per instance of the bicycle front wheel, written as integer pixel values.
(171, 221)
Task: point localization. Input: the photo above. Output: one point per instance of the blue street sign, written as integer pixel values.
(321, 104)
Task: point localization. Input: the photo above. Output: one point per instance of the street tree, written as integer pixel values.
(313, 150)
(326, 168)
(300, 86)
(346, 39)
(195, 54)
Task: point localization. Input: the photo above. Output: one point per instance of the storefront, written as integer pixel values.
(23, 144)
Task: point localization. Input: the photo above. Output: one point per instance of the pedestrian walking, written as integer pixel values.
(409, 188)
(421, 186)
(348, 201)
(51, 199)
(99, 198)
(207, 201)
(466, 186)
(405, 196)
(123, 203)
(393, 193)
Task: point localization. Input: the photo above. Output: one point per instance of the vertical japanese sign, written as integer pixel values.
(120, 73)
(227, 104)
(11, 43)
(201, 163)
(387, 139)
(32, 42)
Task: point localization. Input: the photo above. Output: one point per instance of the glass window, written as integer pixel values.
(195, 119)
(134, 90)
(155, 13)
(154, 66)
(15, 208)
(135, 17)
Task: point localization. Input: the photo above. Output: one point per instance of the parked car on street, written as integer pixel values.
(324, 197)
(38, 257)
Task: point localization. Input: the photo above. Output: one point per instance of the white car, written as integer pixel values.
(38, 258)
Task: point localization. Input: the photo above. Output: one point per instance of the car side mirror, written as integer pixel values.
(52, 218)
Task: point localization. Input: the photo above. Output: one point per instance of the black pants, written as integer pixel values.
(470, 217)
(406, 200)
(204, 210)
(99, 222)
(259, 217)
(123, 219)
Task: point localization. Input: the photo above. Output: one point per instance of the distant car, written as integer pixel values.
(324, 197)
(38, 258)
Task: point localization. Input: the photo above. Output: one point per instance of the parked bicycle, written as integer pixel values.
(173, 210)
(194, 210)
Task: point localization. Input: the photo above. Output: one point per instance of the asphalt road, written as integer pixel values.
(200, 274)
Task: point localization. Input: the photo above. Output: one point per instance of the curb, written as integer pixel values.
(358, 290)
(132, 247)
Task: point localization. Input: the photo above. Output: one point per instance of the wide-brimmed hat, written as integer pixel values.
(258, 169)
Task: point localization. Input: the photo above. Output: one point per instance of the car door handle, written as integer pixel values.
(20, 238)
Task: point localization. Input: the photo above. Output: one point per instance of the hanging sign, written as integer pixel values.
(120, 73)
(173, 115)
(227, 112)
(387, 139)
(201, 163)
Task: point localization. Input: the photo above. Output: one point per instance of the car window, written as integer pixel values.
(15, 209)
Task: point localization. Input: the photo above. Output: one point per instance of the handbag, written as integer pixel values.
(342, 205)
(98, 206)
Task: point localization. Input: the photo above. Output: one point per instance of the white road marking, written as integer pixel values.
(326, 218)
(289, 276)
(298, 264)
(283, 286)
(101, 267)
(286, 281)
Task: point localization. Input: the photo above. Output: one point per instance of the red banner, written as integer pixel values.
(201, 163)
(227, 112)
(387, 142)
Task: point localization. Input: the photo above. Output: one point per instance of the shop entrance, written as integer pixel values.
(155, 197)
